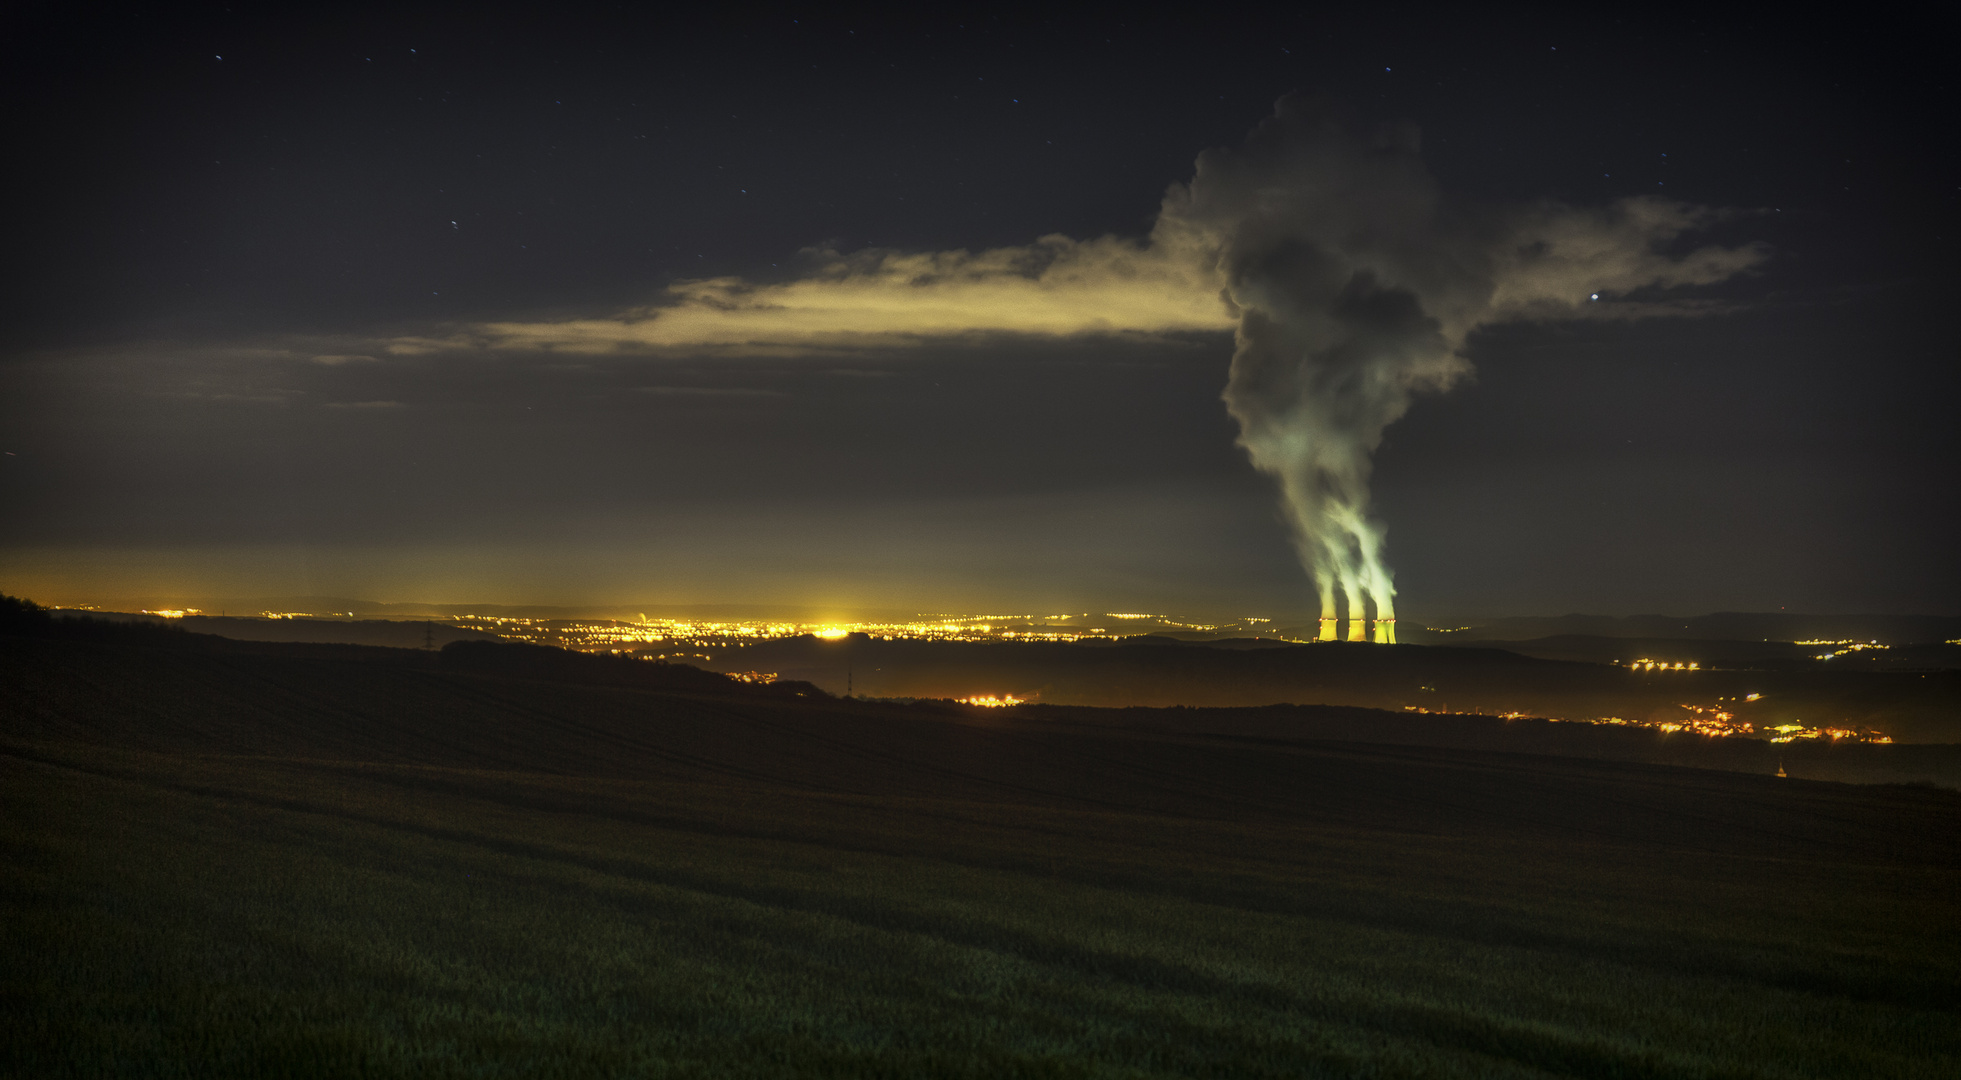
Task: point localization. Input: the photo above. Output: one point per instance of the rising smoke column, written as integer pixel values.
(1355, 284)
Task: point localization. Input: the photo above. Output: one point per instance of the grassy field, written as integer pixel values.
(317, 862)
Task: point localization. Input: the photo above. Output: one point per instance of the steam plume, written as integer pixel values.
(1355, 284)
(1349, 281)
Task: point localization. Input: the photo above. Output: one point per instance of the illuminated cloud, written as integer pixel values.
(1372, 209)
(1055, 287)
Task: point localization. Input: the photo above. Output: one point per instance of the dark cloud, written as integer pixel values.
(706, 391)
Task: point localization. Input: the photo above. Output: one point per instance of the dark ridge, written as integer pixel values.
(1907, 706)
(545, 663)
(25, 618)
(1772, 626)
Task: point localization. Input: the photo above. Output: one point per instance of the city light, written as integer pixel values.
(1645, 664)
(1844, 646)
(694, 640)
(1713, 721)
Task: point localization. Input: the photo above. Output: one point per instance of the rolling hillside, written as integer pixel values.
(322, 860)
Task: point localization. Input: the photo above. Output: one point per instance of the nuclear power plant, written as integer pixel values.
(1358, 630)
(1355, 288)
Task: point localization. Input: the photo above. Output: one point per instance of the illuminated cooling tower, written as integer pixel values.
(1358, 630)
(1385, 631)
(1327, 630)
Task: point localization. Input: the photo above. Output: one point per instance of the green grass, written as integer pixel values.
(718, 887)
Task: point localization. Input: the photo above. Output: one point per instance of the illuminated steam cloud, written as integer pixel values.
(1349, 281)
(1355, 283)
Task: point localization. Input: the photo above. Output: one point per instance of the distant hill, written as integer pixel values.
(168, 644)
(1762, 655)
(1909, 693)
(1721, 626)
(389, 633)
(512, 705)
(1160, 671)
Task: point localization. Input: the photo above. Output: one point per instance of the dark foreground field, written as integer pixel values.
(306, 861)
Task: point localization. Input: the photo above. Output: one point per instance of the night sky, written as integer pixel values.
(293, 306)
